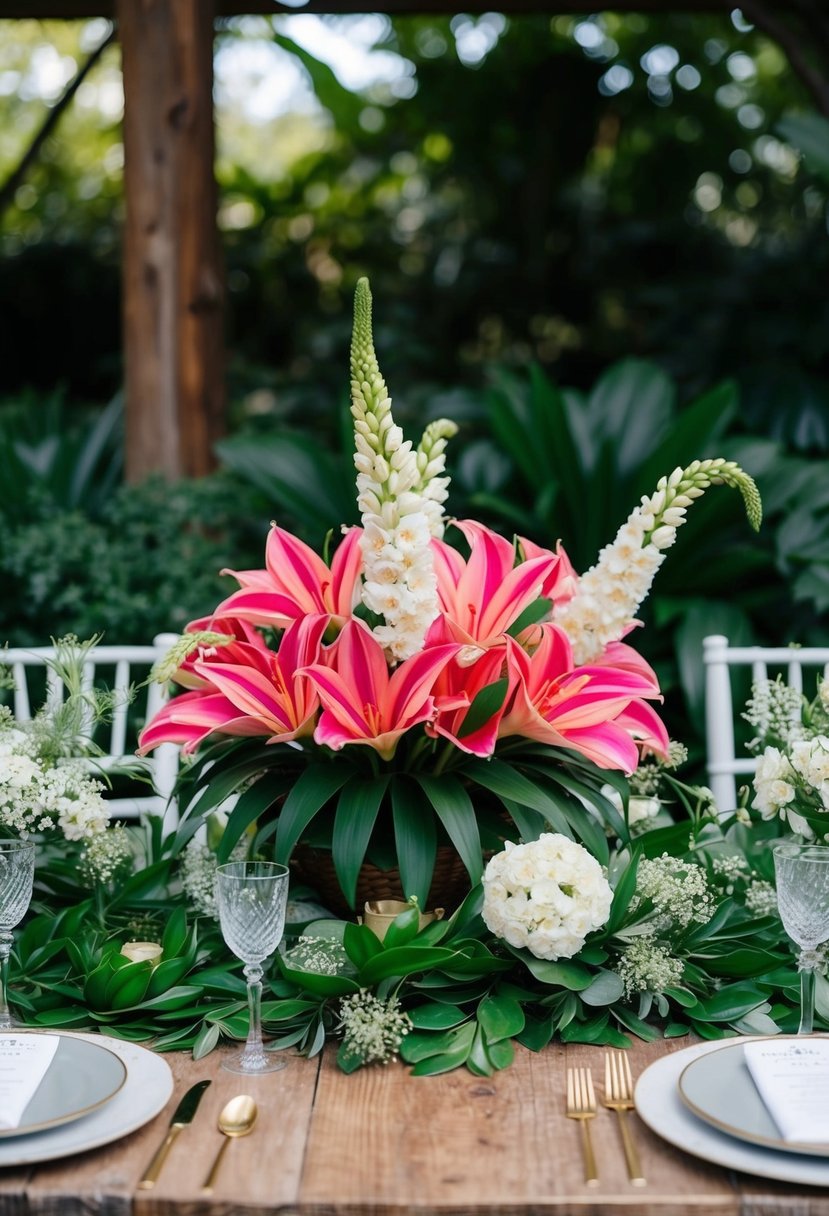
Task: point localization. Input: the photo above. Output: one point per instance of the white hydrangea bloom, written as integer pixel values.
(400, 496)
(36, 796)
(546, 896)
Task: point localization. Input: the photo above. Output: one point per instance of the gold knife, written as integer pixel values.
(182, 1115)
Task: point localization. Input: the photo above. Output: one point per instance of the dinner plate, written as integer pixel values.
(662, 1109)
(145, 1092)
(719, 1089)
(81, 1077)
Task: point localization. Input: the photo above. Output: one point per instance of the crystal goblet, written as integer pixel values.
(17, 868)
(802, 874)
(252, 897)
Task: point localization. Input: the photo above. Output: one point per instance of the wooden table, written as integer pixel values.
(381, 1142)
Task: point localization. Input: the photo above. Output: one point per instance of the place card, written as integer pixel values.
(792, 1078)
(24, 1062)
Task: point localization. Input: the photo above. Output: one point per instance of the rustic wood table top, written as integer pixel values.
(382, 1142)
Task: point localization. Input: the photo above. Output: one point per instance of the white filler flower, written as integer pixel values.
(546, 895)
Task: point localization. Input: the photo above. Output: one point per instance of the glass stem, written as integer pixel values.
(807, 1000)
(5, 949)
(254, 1051)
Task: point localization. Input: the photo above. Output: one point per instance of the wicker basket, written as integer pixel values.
(450, 882)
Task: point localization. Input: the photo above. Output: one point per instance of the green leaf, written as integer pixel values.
(731, 1002)
(357, 809)
(349, 1060)
(635, 1024)
(622, 895)
(455, 810)
(206, 1040)
(310, 793)
(538, 610)
(559, 974)
(436, 1016)
(501, 1054)
(175, 933)
(454, 1055)
(403, 928)
(319, 985)
(250, 804)
(415, 839)
(606, 988)
(500, 1018)
(360, 944)
(809, 133)
(478, 1061)
(403, 960)
(485, 703)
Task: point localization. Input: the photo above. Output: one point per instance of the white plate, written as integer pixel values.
(661, 1108)
(145, 1092)
(81, 1077)
(718, 1088)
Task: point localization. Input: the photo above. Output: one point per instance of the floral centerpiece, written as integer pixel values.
(401, 698)
(407, 697)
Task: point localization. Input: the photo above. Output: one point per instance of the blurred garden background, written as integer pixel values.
(597, 242)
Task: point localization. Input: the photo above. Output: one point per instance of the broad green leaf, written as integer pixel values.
(310, 793)
(733, 1001)
(175, 933)
(500, 1018)
(357, 809)
(452, 1056)
(436, 1016)
(622, 895)
(558, 974)
(604, 989)
(251, 803)
(455, 810)
(402, 929)
(361, 944)
(404, 960)
(536, 1034)
(206, 1040)
(638, 1027)
(485, 703)
(415, 839)
(538, 610)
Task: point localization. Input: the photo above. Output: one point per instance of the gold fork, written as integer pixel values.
(581, 1105)
(618, 1096)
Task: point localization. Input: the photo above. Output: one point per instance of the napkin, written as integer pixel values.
(24, 1062)
(792, 1078)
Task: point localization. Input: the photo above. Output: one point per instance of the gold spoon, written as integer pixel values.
(236, 1119)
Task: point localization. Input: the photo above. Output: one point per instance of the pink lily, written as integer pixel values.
(362, 703)
(296, 583)
(596, 710)
(456, 688)
(482, 597)
(561, 582)
(259, 693)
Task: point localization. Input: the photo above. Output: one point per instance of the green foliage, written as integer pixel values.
(84, 554)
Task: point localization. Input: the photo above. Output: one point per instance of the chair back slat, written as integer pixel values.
(114, 667)
(719, 659)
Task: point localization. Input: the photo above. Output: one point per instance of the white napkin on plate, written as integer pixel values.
(24, 1061)
(792, 1078)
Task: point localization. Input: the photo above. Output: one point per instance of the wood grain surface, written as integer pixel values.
(383, 1143)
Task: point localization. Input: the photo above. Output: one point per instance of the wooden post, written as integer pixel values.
(173, 278)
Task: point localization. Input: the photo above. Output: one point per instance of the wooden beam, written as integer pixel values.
(173, 281)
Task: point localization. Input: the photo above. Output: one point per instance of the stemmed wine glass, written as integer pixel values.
(17, 868)
(802, 873)
(252, 896)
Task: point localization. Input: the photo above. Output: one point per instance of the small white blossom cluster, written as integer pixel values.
(36, 796)
(545, 895)
(198, 874)
(785, 784)
(648, 966)
(321, 955)
(372, 1028)
(400, 496)
(646, 781)
(761, 898)
(678, 891)
(608, 596)
(774, 710)
(731, 873)
(107, 856)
